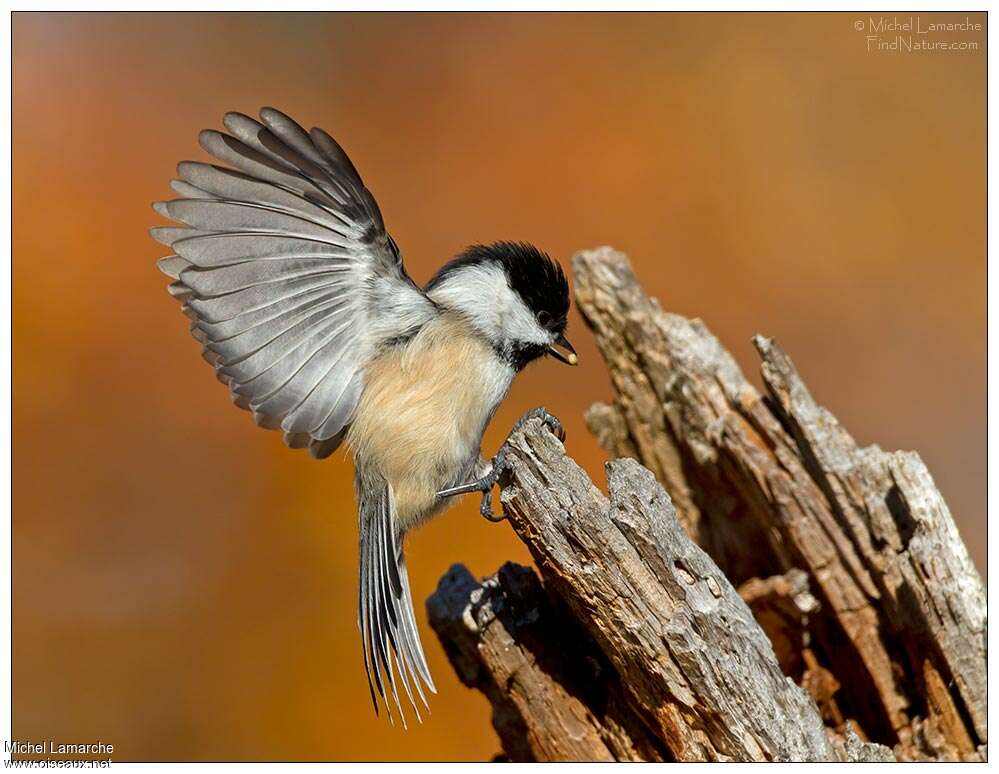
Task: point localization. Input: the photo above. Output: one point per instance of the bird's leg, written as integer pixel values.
(499, 465)
(484, 484)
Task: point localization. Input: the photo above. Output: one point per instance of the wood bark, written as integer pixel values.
(554, 696)
(901, 626)
(859, 616)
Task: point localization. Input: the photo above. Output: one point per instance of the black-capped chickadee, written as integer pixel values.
(302, 304)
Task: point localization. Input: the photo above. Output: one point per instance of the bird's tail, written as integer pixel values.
(385, 611)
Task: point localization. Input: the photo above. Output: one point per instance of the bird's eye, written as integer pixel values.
(544, 318)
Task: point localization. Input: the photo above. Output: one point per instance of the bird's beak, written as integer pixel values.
(563, 342)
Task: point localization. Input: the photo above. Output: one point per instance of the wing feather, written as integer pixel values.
(167, 235)
(172, 265)
(283, 264)
(339, 415)
(226, 216)
(305, 382)
(225, 329)
(300, 338)
(227, 307)
(294, 136)
(239, 276)
(251, 340)
(189, 191)
(266, 320)
(335, 155)
(226, 184)
(256, 164)
(208, 250)
(323, 387)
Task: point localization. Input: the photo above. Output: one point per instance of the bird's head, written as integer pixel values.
(514, 295)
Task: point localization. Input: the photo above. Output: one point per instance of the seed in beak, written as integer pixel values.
(563, 342)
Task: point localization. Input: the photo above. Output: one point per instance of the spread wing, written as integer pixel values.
(284, 266)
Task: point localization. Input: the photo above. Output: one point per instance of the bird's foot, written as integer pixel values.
(541, 413)
(497, 468)
(485, 485)
(499, 465)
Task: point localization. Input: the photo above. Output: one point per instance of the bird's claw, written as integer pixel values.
(486, 508)
(550, 420)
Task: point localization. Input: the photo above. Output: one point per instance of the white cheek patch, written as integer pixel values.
(483, 294)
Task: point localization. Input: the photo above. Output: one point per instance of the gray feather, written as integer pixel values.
(293, 135)
(298, 341)
(320, 450)
(227, 307)
(297, 440)
(179, 290)
(253, 339)
(270, 149)
(274, 313)
(235, 186)
(222, 280)
(340, 414)
(186, 189)
(275, 388)
(167, 235)
(208, 250)
(248, 131)
(224, 216)
(385, 608)
(302, 384)
(172, 265)
(266, 422)
(328, 386)
(386, 617)
(335, 155)
(239, 155)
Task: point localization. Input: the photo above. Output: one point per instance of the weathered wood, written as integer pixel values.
(554, 696)
(901, 624)
(691, 659)
(782, 605)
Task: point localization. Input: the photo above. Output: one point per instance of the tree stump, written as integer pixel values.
(859, 620)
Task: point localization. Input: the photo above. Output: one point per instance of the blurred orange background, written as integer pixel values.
(184, 586)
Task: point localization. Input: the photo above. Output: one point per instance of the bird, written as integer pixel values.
(302, 305)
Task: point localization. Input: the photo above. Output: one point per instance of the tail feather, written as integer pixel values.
(385, 612)
(390, 589)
